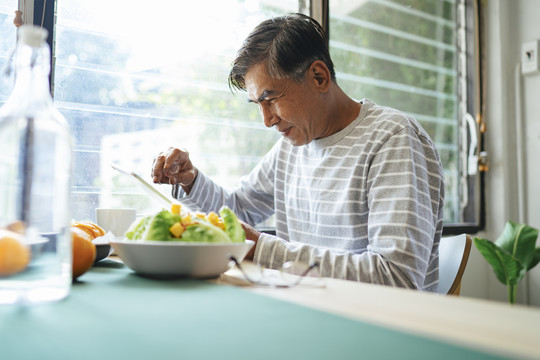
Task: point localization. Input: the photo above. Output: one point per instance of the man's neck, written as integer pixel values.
(343, 109)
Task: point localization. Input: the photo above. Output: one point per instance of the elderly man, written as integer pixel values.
(354, 185)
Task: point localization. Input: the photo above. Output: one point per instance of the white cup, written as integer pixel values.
(117, 221)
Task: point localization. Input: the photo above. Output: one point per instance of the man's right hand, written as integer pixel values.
(174, 167)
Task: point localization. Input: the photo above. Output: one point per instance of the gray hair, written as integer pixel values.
(288, 44)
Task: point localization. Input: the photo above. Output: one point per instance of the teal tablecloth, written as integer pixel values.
(114, 314)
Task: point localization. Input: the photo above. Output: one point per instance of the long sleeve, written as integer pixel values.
(252, 200)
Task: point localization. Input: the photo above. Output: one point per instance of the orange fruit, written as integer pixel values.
(17, 226)
(14, 255)
(90, 228)
(84, 251)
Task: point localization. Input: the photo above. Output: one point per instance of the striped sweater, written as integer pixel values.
(366, 202)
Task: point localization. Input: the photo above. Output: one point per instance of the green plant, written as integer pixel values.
(511, 255)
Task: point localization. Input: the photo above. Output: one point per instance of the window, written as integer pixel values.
(7, 45)
(416, 56)
(134, 77)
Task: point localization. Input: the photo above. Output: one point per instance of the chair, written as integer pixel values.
(453, 256)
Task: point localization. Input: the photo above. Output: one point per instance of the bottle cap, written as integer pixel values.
(32, 35)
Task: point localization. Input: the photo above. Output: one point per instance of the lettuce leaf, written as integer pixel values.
(136, 229)
(233, 228)
(155, 227)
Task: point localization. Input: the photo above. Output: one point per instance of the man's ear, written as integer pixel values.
(320, 75)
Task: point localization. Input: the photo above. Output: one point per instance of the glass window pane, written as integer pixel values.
(7, 45)
(134, 77)
(404, 56)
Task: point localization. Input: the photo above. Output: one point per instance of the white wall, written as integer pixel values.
(509, 23)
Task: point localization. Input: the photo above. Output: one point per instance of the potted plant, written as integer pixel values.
(511, 255)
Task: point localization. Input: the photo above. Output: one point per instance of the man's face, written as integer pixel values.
(288, 106)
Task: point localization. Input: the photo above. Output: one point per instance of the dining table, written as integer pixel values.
(114, 313)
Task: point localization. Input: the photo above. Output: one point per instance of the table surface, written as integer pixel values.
(114, 313)
(495, 327)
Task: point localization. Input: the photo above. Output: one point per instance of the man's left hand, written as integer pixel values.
(251, 234)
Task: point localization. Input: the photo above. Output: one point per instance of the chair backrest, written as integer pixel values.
(453, 256)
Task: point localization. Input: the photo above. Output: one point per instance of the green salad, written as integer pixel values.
(174, 225)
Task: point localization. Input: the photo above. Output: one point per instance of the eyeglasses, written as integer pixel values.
(290, 275)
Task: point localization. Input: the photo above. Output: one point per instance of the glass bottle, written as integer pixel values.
(35, 177)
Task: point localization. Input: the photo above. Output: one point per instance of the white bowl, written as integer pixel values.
(179, 259)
